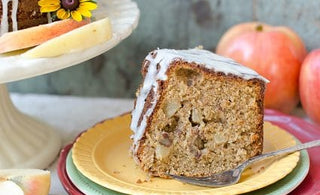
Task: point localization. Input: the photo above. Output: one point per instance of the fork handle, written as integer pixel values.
(284, 151)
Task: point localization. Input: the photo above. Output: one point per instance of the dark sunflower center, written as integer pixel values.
(70, 4)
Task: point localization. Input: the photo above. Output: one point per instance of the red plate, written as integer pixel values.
(62, 172)
(300, 128)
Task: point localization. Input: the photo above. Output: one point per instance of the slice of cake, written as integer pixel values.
(196, 113)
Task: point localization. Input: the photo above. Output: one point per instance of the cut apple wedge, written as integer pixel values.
(28, 181)
(81, 38)
(9, 187)
(34, 36)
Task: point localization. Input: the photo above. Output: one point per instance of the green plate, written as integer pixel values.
(283, 186)
(84, 184)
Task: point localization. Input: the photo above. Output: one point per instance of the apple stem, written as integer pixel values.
(259, 28)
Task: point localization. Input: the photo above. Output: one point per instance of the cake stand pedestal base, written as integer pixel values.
(24, 141)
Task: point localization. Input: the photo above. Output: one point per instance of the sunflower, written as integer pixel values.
(63, 9)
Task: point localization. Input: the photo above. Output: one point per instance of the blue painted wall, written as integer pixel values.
(175, 24)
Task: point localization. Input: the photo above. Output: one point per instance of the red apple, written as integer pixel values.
(310, 85)
(274, 52)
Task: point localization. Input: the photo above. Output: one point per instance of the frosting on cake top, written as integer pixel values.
(207, 59)
(159, 61)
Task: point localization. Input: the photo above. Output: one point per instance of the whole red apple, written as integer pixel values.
(274, 52)
(310, 85)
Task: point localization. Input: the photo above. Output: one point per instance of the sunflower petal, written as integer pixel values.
(48, 2)
(52, 8)
(76, 16)
(84, 0)
(63, 14)
(85, 13)
(88, 5)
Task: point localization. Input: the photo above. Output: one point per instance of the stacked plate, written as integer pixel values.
(98, 162)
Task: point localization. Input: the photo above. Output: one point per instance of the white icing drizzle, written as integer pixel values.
(49, 18)
(163, 58)
(14, 12)
(4, 19)
(4, 27)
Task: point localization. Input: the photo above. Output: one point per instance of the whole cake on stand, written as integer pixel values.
(26, 142)
(20, 14)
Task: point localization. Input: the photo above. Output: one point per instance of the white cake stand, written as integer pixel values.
(24, 141)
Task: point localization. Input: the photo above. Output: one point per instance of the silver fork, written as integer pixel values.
(232, 176)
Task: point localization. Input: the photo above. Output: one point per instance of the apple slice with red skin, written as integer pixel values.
(87, 36)
(28, 181)
(34, 36)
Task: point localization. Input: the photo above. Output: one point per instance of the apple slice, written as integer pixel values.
(9, 187)
(81, 38)
(28, 181)
(33, 36)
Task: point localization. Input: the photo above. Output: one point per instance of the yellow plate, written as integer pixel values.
(102, 155)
